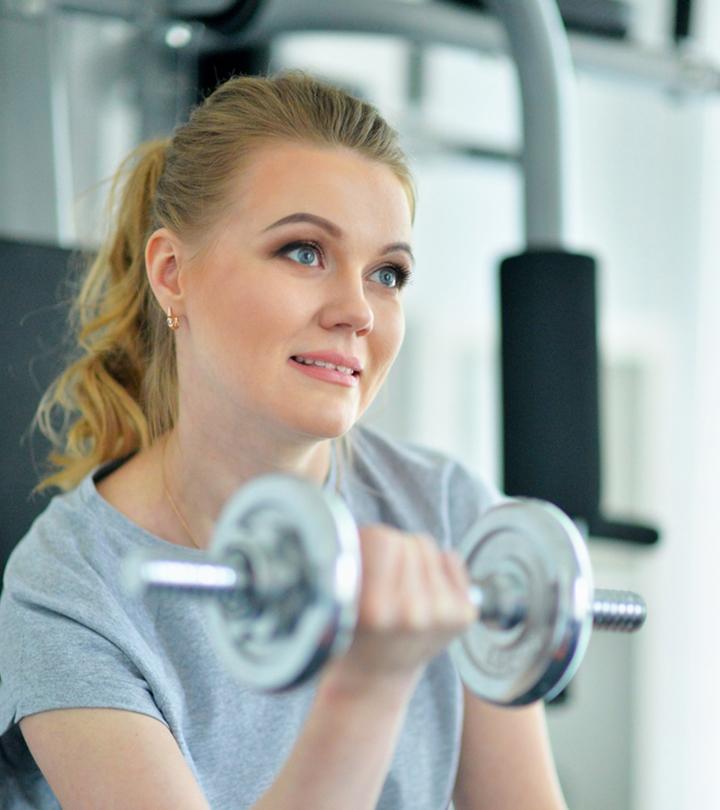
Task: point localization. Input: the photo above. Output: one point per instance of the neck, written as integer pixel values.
(201, 474)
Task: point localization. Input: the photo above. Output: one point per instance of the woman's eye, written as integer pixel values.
(305, 253)
(390, 275)
(397, 273)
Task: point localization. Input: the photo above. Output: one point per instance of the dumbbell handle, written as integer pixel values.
(622, 611)
(502, 603)
(499, 600)
(196, 577)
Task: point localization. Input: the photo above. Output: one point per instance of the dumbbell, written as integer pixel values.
(281, 583)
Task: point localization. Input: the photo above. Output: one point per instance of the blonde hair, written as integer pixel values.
(119, 394)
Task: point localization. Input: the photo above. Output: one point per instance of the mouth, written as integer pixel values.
(294, 358)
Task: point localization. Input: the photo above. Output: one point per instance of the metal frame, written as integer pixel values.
(61, 136)
(542, 55)
(678, 71)
(534, 32)
(539, 46)
(433, 22)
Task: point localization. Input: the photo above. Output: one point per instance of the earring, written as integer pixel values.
(172, 320)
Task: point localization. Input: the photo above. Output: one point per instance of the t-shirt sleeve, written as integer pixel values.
(64, 640)
(467, 496)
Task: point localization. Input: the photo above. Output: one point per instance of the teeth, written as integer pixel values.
(323, 364)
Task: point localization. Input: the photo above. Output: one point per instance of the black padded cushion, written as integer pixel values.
(33, 317)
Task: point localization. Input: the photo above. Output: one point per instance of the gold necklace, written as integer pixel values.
(172, 502)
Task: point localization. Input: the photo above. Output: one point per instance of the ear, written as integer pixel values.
(163, 262)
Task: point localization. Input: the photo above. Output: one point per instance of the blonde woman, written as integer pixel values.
(272, 231)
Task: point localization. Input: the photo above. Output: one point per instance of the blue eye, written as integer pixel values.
(303, 248)
(397, 272)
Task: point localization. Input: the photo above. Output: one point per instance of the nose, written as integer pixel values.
(347, 304)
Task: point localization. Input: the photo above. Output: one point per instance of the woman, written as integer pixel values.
(272, 230)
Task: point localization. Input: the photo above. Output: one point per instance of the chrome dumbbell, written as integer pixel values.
(533, 584)
(280, 582)
(282, 577)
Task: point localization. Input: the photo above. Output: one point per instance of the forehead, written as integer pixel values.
(334, 182)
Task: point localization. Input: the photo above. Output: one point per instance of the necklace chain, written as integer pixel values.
(172, 502)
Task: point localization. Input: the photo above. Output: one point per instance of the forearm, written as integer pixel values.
(506, 761)
(344, 752)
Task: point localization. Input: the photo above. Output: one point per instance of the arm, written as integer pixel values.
(410, 607)
(505, 761)
(343, 756)
(122, 760)
(112, 759)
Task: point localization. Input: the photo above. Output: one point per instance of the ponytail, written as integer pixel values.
(114, 317)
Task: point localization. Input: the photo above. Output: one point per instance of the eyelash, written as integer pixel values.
(403, 273)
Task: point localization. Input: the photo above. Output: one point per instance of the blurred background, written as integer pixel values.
(83, 81)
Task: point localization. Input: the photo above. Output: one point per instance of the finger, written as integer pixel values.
(382, 563)
(439, 590)
(413, 590)
(457, 570)
(460, 580)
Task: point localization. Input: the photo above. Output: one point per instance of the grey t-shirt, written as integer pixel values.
(71, 637)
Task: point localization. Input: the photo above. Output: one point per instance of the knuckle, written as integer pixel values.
(374, 614)
(412, 616)
(457, 567)
(427, 543)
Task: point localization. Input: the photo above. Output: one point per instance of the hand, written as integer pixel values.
(413, 602)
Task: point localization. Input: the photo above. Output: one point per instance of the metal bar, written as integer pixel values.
(677, 71)
(542, 55)
(621, 611)
(503, 605)
(61, 139)
(436, 23)
(539, 45)
(187, 576)
(432, 23)
(427, 140)
(501, 601)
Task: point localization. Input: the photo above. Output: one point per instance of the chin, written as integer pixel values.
(327, 428)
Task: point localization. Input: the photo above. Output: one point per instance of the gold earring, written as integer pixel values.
(172, 320)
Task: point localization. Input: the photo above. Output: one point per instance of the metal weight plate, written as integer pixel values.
(536, 543)
(318, 619)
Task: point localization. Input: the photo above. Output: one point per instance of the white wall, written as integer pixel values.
(641, 176)
(698, 611)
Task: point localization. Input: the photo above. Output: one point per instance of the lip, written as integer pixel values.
(335, 358)
(327, 374)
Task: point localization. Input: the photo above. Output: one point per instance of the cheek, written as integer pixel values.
(390, 333)
(245, 311)
(396, 329)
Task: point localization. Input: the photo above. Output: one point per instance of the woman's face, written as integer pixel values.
(324, 282)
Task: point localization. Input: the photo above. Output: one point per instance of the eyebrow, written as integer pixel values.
(335, 231)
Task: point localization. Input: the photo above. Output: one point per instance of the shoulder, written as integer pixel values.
(422, 481)
(62, 584)
(373, 445)
(70, 546)
(52, 537)
(70, 635)
(413, 461)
